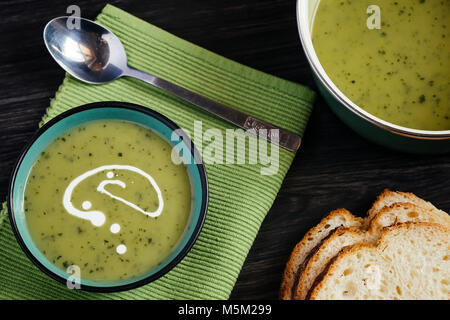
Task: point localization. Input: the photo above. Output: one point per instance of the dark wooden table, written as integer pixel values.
(334, 168)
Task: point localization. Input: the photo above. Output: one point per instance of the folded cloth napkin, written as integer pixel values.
(240, 196)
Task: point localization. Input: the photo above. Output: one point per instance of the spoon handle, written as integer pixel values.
(286, 139)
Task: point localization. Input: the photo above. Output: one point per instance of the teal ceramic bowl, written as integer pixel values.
(367, 125)
(107, 111)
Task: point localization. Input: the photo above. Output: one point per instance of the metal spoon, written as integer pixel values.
(93, 54)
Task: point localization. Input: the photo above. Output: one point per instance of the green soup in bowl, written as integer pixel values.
(399, 72)
(103, 197)
(383, 67)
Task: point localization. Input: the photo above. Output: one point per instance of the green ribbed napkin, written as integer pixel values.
(240, 196)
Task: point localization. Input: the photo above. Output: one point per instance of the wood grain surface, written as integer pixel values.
(334, 168)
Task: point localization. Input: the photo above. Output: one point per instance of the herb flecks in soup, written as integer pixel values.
(107, 197)
(400, 72)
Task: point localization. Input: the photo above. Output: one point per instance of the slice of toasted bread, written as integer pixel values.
(410, 261)
(336, 218)
(388, 198)
(342, 237)
(406, 212)
(324, 252)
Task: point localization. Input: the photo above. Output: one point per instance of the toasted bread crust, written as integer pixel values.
(304, 264)
(421, 215)
(321, 275)
(320, 281)
(300, 292)
(379, 203)
(298, 255)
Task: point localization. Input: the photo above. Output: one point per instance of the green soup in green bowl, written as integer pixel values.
(382, 66)
(108, 196)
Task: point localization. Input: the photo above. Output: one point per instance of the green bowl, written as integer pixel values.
(107, 111)
(367, 125)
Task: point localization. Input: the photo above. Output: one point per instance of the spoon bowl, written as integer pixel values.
(90, 52)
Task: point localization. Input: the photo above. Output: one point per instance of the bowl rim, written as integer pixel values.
(310, 53)
(197, 227)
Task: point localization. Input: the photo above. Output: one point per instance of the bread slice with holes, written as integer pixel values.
(335, 219)
(388, 198)
(342, 237)
(410, 261)
(406, 212)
